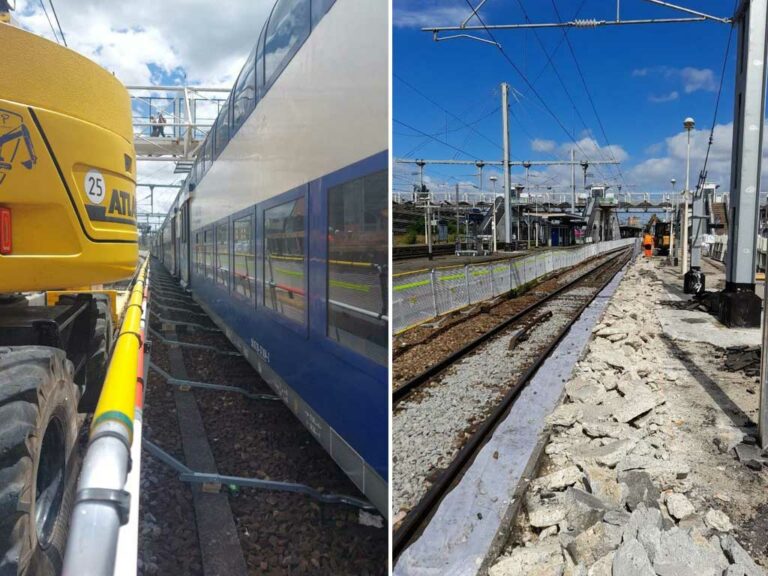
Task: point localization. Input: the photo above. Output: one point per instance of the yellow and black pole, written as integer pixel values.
(101, 503)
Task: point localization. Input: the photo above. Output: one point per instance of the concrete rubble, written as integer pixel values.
(643, 472)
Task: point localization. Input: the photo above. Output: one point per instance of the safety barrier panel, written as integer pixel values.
(103, 503)
(420, 296)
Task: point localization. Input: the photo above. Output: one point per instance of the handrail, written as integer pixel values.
(102, 505)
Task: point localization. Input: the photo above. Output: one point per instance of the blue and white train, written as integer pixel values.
(281, 229)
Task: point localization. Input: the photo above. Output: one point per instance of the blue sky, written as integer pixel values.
(644, 80)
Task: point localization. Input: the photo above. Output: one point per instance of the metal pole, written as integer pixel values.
(684, 232)
(740, 306)
(458, 224)
(573, 180)
(493, 222)
(673, 222)
(505, 137)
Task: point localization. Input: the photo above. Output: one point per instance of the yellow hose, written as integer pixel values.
(118, 396)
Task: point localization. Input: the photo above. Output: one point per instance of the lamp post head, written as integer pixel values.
(673, 181)
(689, 124)
(493, 178)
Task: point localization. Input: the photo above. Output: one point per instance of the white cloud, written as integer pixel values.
(206, 43)
(541, 145)
(698, 79)
(674, 95)
(410, 14)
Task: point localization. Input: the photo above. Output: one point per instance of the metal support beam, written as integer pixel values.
(186, 474)
(506, 164)
(170, 342)
(739, 305)
(184, 383)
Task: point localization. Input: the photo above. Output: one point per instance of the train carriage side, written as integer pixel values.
(288, 224)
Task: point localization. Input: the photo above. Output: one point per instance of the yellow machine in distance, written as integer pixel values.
(67, 169)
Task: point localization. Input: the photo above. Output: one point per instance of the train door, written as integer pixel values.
(184, 244)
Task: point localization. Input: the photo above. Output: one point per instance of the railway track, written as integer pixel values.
(249, 434)
(487, 319)
(445, 413)
(421, 251)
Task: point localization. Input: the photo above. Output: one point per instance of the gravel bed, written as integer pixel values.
(167, 530)
(280, 533)
(424, 345)
(423, 445)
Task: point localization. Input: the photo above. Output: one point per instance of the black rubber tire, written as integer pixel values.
(101, 346)
(37, 396)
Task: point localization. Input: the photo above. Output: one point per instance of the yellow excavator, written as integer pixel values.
(67, 227)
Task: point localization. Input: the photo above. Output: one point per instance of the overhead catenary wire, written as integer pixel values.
(559, 77)
(703, 173)
(527, 82)
(451, 114)
(443, 142)
(47, 17)
(609, 148)
(56, 16)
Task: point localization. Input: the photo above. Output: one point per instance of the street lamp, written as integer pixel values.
(689, 125)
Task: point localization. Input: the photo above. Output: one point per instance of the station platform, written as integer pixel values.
(645, 462)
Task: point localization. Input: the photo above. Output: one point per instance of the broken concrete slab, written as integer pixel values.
(609, 454)
(717, 520)
(640, 489)
(631, 560)
(678, 552)
(558, 480)
(603, 566)
(737, 555)
(664, 473)
(583, 510)
(634, 405)
(565, 415)
(595, 542)
(679, 506)
(584, 391)
(538, 560)
(544, 512)
(642, 517)
(608, 430)
(602, 483)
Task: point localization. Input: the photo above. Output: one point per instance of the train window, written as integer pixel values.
(260, 62)
(284, 263)
(287, 29)
(244, 257)
(198, 254)
(357, 265)
(222, 128)
(208, 152)
(208, 254)
(245, 93)
(319, 8)
(222, 254)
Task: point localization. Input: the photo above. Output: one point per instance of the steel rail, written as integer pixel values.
(418, 516)
(420, 379)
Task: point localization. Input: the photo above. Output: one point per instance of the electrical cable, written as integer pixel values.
(63, 38)
(586, 89)
(703, 173)
(528, 83)
(49, 22)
